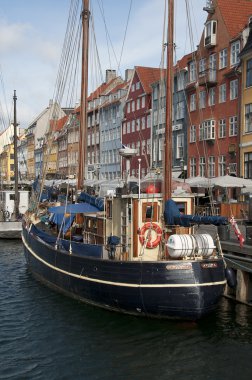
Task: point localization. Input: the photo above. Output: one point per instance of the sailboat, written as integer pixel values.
(132, 253)
(13, 202)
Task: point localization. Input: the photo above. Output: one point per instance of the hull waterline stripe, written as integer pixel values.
(120, 283)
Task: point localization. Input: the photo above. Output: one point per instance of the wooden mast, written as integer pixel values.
(169, 93)
(84, 90)
(16, 202)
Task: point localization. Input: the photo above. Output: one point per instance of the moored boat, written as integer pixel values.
(132, 252)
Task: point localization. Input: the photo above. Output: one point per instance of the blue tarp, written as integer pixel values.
(92, 200)
(75, 208)
(172, 216)
(62, 219)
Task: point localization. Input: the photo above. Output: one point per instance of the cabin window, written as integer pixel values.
(12, 197)
(182, 206)
(150, 212)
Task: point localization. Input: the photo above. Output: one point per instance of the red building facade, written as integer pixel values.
(136, 126)
(212, 91)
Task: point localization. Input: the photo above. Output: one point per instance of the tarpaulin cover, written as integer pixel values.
(173, 216)
(75, 208)
(92, 200)
(62, 220)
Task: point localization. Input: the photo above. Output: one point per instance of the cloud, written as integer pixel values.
(13, 36)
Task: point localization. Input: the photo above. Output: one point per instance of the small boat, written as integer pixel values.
(129, 252)
(13, 203)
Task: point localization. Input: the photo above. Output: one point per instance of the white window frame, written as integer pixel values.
(233, 89)
(248, 117)
(193, 102)
(223, 58)
(223, 93)
(233, 126)
(192, 133)
(180, 146)
(234, 53)
(222, 128)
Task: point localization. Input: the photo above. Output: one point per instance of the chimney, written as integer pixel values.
(110, 74)
(128, 74)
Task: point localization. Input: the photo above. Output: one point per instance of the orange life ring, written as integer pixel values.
(150, 226)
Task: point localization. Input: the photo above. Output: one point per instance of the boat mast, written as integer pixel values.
(169, 93)
(84, 90)
(16, 202)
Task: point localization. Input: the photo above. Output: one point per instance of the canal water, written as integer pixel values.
(44, 335)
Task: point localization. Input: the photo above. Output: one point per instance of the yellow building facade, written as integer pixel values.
(7, 163)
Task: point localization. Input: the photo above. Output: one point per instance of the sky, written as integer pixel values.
(32, 35)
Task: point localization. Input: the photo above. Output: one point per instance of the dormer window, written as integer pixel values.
(210, 33)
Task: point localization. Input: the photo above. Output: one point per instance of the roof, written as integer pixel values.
(235, 15)
(147, 76)
(248, 47)
(103, 88)
(57, 125)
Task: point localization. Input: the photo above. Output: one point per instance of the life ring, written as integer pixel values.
(147, 239)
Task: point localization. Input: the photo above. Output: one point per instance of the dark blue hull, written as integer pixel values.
(163, 289)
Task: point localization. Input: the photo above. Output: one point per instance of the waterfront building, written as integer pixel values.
(179, 120)
(22, 156)
(96, 100)
(212, 91)
(136, 126)
(246, 105)
(111, 115)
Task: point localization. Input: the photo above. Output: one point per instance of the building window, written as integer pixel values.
(248, 118)
(222, 93)
(235, 50)
(202, 167)
(180, 81)
(248, 165)
(210, 33)
(192, 71)
(202, 99)
(143, 122)
(234, 89)
(193, 102)
(133, 106)
(222, 128)
(233, 168)
(223, 59)
(249, 73)
(222, 165)
(211, 166)
(143, 101)
(138, 86)
(211, 97)
(180, 146)
(192, 133)
(132, 126)
(128, 107)
(202, 67)
(212, 67)
(233, 126)
(180, 110)
(138, 104)
(208, 130)
(193, 167)
(128, 127)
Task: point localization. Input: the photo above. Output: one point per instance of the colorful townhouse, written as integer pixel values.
(96, 100)
(213, 87)
(111, 115)
(246, 105)
(136, 125)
